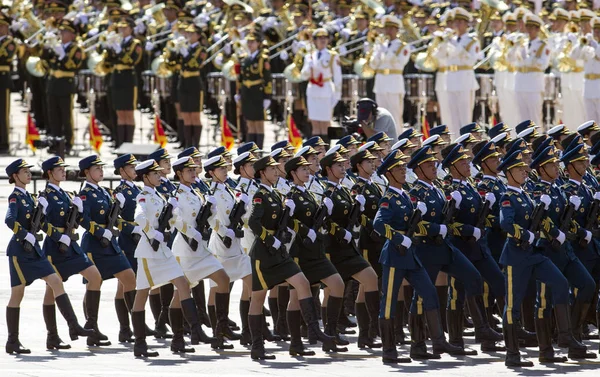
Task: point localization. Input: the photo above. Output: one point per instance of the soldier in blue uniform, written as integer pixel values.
(100, 243)
(437, 253)
(399, 260)
(471, 241)
(160, 298)
(317, 144)
(521, 262)
(27, 263)
(554, 245)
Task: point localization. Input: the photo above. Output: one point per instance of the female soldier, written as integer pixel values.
(100, 243)
(254, 81)
(27, 263)
(157, 263)
(191, 96)
(271, 263)
(64, 254)
(323, 71)
(307, 249)
(191, 250)
(124, 56)
(369, 242)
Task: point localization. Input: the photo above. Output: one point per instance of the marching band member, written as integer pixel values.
(587, 49)
(28, 262)
(389, 60)
(7, 51)
(572, 81)
(322, 68)
(531, 61)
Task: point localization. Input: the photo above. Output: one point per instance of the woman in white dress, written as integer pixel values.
(157, 265)
(191, 250)
(323, 70)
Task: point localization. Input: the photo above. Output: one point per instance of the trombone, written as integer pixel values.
(34, 35)
(159, 34)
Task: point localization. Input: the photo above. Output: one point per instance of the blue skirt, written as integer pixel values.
(70, 265)
(109, 264)
(25, 269)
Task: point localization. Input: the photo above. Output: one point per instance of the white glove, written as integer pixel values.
(16, 25)
(137, 230)
(237, 98)
(92, 32)
(348, 237)
(531, 237)
(561, 237)
(588, 236)
(592, 42)
(295, 47)
(65, 239)
(276, 243)
(219, 60)
(227, 49)
(312, 235)
(490, 198)
(422, 207)
(438, 34)
(149, 46)
(597, 195)
(59, 50)
(284, 55)
(121, 198)
(575, 200)
(362, 201)
(198, 237)
(50, 35)
(343, 50)
(44, 203)
(291, 205)
(81, 18)
(158, 236)
(345, 33)
(184, 51)
(30, 238)
(443, 230)
(173, 202)
(245, 198)
(457, 197)
(116, 47)
(477, 233)
(212, 200)
(572, 37)
(366, 47)
(230, 233)
(545, 199)
(266, 103)
(329, 204)
(78, 203)
(107, 234)
(406, 242)
(140, 27)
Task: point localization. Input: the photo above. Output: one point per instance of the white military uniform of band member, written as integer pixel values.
(531, 60)
(503, 80)
(320, 100)
(201, 263)
(389, 59)
(461, 53)
(250, 187)
(159, 267)
(572, 90)
(236, 263)
(590, 54)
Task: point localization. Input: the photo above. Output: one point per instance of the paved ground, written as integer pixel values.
(118, 360)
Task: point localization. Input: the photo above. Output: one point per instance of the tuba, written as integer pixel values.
(160, 68)
(96, 63)
(488, 8)
(35, 66)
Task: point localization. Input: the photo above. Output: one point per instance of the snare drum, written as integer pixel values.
(349, 87)
(419, 86)
(216, 84)
(163, 86)
(486, 86)
(84, 81)
(99, 85)
(147, 78)
(362, 88)
(279, 87)
(551, 88)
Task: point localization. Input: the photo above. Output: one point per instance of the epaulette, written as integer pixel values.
(49, 190)
(144, 192)
(87, 188)
(179, 191)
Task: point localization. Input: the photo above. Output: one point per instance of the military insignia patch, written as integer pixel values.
(506, 203)
(385, 205)
(12, 200)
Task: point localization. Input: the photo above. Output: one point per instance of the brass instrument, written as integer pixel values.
(96, 63)
(411, 30)
(35, 66)
(375, 7)
(488, 7)
(362, 67)
(160, 67)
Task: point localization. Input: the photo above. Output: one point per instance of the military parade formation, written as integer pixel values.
(409, 214)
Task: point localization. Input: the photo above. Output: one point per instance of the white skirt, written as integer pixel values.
(196, 269)
(152, 273)
(319, 108)
(236, 267)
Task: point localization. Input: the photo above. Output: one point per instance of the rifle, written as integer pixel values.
(70, 227)
(591, 221)
(163, 224)
(319, 218)
(448, 212)
(536, 222)
(201, 224)
(34, 228)
(355, 212)
(484, 212)
(235, 221)
(565, 224)
(282, 233)
(113, 217)
(413, 225)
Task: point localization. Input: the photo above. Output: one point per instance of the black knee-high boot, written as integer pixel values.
(400, 336)
(260, 140)
(188, 134)
(294, 318)
(222, 330)
(13, 345)
(66, 309)
(178, 342)
(125, 334)
(418, 348)
(129, 300)
(119, 135)
(140, 348)
(334, 306)
(212, 314)
(274, 309)
(180, 132)
(309, 314)
(283, 298)
(92, 301)
(200, 300)
(166, 295)
(190, 313)
(544, 335)
(129, 131)
(246, 338)
(257, 352)
(53, 341)
(372, 304)
(196, 136)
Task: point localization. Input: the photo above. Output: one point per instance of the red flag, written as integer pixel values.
(32, 133)
(95, 135)
(159, 132)
(492, 120)
(294, 136)
(424, 126)
(227, 139)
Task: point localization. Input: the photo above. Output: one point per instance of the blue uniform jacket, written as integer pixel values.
(127, 222)
(18, 218)
(592, 251)
(96, 208)
(59, 204)
(494, 234)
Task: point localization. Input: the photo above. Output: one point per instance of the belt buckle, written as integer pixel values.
(386, 71)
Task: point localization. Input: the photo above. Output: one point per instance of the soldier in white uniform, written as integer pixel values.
(244, 167)
(378, 152)
(323, 70)
(461, 52)
(531, 59)
(388, 59)
(441, 75)
(191, 247)
(587, 49)
(157, 264)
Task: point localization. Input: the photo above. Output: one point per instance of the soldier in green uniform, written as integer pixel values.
(123, 84)
(64, 60)
(7, 51)
(255, 89)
